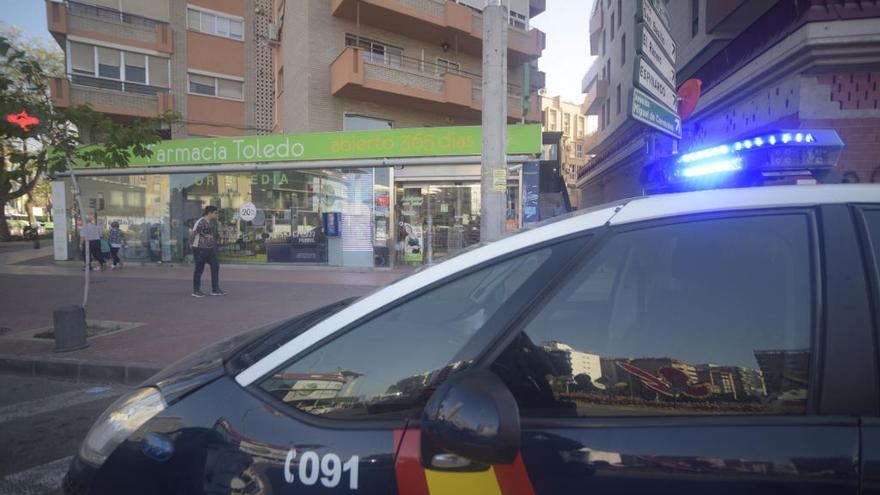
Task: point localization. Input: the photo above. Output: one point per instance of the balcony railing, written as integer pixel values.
(356, 73)
(112, 15)
(116, 85)
(428, 70)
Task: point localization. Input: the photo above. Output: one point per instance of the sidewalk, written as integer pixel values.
(171, 323)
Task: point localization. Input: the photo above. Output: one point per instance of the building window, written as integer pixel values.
(603, 42)
(231, 27)
(611, 26)
(279, 82)
(108, 68)
(108, 63)
(552, 119)
(135, 67)
(619, 99)
(622, 49)
(444, 65)
(376, 52)
(581, 127)
(216, 86)
(566, 124)
(602, 117)
(619, 13)
(579, 147)
(608, 68)
(695, 17)
(518, 20)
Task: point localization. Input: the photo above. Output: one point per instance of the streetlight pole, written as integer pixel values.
(494, 122)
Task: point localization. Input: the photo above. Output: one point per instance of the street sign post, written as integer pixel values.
(649, 47)
(654, 23)
(649, 79)
(646, 110)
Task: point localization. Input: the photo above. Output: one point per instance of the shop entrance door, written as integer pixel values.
(436, 220)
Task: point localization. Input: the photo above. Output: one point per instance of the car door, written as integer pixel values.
(868, 220)
(331, 418)
(688, 355)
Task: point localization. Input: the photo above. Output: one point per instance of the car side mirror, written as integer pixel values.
(470, 418)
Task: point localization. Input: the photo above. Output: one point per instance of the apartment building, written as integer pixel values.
(240, 67)
(764, 65)
(577, 130)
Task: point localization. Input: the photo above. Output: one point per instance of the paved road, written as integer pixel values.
(42, 423)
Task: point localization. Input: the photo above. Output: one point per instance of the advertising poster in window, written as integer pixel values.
(530, 193)
(413, 243)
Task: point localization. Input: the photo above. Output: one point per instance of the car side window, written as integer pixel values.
(709, 316)
(388, 366)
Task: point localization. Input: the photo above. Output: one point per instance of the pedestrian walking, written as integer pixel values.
(203, 239)
(116, 238)
(91, 236)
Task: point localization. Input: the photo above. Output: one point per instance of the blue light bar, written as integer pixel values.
(712, 167)
(772, 139)
(749, 160)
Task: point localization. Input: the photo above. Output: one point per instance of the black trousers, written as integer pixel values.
(95, 252)
(114, 252)
(202, 256)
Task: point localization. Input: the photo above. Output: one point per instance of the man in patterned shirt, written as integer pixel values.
(203, 239)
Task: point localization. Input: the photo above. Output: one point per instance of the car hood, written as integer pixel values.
(210, 363)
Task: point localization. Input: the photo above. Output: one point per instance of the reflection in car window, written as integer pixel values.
(701, 317)
(392, 362)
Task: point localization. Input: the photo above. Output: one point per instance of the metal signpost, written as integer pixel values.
(646, 110)
(653, 100)
(648, 79)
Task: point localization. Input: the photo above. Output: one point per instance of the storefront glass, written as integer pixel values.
(436, 220)
(139, 203)
(156, 213)
(288, 227)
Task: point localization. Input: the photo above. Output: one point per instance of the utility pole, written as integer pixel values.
(493, 193)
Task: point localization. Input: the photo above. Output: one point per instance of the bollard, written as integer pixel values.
(70, 328)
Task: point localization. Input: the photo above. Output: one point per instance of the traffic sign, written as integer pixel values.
(645, 109)
(650, 48)
(648, 79)
(654, 23)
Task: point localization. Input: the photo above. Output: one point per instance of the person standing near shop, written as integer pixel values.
(91, 236)
(116, 238)
(203, 240)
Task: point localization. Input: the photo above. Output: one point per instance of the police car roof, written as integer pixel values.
(614, 213)
(666, 205)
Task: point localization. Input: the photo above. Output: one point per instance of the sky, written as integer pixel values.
(565, 59)
(567, 56)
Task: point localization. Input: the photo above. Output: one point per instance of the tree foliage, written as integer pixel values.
(62, 135)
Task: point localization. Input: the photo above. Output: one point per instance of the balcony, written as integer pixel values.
(536, 7)
(418, 85)
(439, 22)
(595, 88)
(112, 97)
(77, 19)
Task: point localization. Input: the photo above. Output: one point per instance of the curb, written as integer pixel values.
(78, 370)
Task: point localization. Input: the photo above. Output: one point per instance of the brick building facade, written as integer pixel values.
(764, 65)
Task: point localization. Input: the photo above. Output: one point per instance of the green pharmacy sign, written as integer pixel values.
(394, 143)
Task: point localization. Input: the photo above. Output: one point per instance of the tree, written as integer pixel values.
(58, 140)
(18, 179)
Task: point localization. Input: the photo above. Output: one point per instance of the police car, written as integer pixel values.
(718, 341)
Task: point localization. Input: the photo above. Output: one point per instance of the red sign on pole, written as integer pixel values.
(22, 120)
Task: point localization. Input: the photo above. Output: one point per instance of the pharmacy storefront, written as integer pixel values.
(366, 198)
